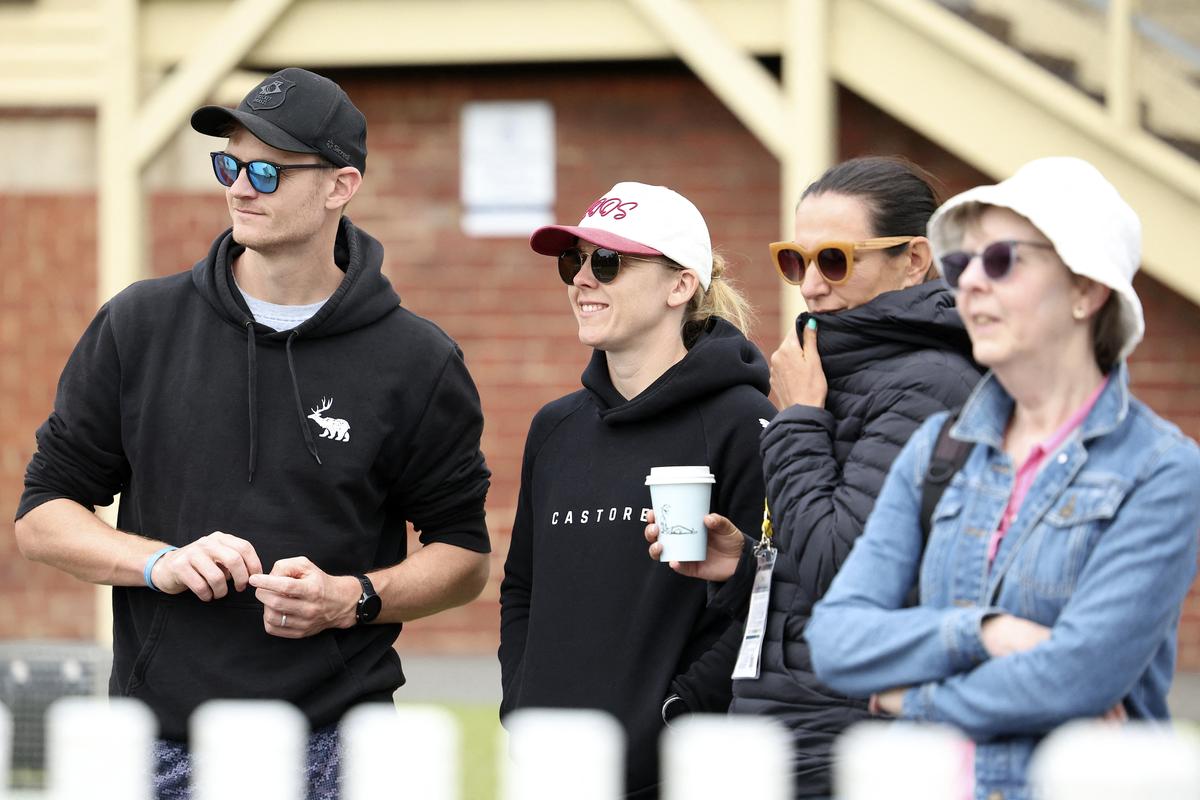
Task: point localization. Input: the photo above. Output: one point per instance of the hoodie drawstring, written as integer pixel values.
(308, 437)
(252, 383)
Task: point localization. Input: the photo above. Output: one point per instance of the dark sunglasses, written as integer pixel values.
(834, 260)
(263, 175)
(997, 258)
(605, 263)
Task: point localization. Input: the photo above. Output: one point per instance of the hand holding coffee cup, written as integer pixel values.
(725, 545)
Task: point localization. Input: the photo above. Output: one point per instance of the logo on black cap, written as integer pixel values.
(271, 94)
(319, 119)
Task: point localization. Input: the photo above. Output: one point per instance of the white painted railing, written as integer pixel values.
(1094, 761)
(901, 761)
(102, 750)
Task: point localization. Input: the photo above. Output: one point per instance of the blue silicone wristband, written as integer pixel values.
(150, 566)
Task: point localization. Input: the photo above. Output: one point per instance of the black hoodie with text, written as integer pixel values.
(588, 620)
(321, 442)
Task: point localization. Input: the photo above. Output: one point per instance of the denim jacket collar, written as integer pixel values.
(985, 415)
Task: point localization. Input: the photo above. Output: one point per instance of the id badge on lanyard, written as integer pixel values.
(750, 653)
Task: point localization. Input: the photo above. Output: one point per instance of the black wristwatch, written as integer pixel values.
(369, 604)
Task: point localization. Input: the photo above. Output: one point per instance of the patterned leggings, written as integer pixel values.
(173, 767)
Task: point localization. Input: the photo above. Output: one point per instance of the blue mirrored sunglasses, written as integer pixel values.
(263, 175)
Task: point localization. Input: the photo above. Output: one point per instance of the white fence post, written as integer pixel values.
(408, 752)
(99, 749)
(554, 754)
(716, 757)
(6, 742)
(1091, 760)
(248, 748)
(900, 761)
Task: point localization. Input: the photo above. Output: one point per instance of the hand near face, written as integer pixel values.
(725, 543)
(299, 599)
(797, 376)
(206, 566)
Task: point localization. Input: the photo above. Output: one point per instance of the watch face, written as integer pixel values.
(368, 608)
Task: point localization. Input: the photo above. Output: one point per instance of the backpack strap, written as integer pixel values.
(948, 457)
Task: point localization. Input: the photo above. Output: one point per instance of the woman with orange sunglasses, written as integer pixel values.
(880, 349)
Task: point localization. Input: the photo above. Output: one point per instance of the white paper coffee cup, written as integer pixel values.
(680, 497)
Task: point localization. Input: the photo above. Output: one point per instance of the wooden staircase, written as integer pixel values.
(1067, 39)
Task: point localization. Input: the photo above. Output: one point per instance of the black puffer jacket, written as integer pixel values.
(889, 364)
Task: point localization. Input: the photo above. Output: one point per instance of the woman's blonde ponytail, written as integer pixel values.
(721, 299)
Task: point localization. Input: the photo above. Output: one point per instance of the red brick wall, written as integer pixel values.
(504, 305)
(47, 295)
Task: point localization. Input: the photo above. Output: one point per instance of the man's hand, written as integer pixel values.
(725, 543)
(796, 372)
(206, 566)
(299, 599)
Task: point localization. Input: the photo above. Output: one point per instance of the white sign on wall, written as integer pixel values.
(507, 185)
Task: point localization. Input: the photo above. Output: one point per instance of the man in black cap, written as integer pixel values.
(271, 419)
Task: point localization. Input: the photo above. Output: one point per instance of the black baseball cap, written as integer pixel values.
(298, 111)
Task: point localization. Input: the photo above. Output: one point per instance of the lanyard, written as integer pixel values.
(750, 653)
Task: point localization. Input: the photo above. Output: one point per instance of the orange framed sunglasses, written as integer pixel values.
(834, 260)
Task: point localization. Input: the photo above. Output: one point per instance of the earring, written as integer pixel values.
(1079, 312)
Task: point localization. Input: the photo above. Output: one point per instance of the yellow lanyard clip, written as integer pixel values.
(767, 530)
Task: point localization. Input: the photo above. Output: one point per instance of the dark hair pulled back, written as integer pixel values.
(898, 193)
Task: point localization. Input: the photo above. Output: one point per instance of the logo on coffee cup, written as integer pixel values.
(674, 530)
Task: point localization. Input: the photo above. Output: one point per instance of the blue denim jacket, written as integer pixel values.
(1102, 550)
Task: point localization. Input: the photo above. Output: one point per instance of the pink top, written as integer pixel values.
(1033, 462)
(1024, 480)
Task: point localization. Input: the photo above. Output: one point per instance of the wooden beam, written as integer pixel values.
(424, 32)
(1121, 92)
(744, 85)
(213, 56)
(810, 120)
(121, 228)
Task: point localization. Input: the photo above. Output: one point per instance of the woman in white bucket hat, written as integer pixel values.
(587, 621)
(1062, 549)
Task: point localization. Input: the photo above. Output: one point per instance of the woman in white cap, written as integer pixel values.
(1061, 550)
(587, 621)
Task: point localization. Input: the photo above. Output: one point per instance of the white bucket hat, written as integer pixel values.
(1095, 232)
(640, 220)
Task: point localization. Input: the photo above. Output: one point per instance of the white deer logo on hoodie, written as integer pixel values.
(337, 429)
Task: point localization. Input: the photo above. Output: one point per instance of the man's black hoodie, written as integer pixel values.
(320, 442)
(587, 619)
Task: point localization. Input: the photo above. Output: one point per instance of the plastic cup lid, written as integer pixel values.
(666, 475)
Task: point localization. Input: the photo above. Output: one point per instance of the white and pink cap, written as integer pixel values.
(640, 220)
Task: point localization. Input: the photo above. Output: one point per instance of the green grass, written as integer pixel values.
(480, 727)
